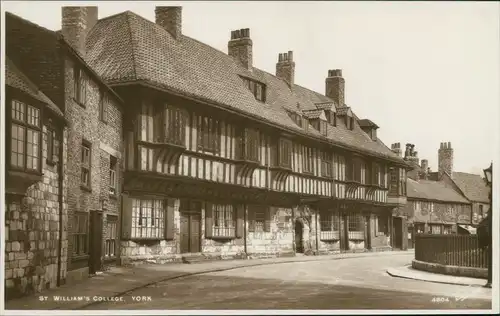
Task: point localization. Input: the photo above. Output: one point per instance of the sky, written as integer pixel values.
(425, 72)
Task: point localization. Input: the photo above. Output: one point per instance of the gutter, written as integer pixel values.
(61, 204)
(260, 119)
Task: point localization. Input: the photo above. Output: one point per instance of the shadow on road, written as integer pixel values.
(228, 292)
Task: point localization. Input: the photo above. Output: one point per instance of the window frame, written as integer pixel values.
(326, 164)
(113, 175)
(111, 240)
(104, 105)
(78, 235)
(80, 86)
(307, 160)
(254, 86)
(209, 134)
(143, 212)
(86, 145)
(285, 147)
(24, 124)
(323, 127)
(228, 227)
(251, 144)
(257, 219)
(53, 143)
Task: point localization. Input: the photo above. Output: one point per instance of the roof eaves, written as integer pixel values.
(196, 98)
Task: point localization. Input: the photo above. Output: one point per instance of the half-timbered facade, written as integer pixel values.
(222, 159)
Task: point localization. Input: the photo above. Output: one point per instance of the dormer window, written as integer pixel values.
(349, 122)
(331, 117)
(258, 89)
(323, 129)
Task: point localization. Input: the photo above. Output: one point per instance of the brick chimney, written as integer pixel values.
(170, 18)
(335, 84)
(240, 48)
(445, 159)
(424, 165)
(76, 25)
(396, 148)
(285, 67)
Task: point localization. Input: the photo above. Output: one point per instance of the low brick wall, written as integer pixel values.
(480, 273)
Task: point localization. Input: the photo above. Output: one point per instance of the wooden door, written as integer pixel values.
(194, 232)
(190, 227)
(184, 232)
(96, 242)
(299, 239)
(368, 232)
(344, 232)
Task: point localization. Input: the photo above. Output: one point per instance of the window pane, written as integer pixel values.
(33, 116)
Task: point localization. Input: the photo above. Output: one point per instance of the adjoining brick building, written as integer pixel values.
(73, 191)
(176, 150)
(443, 201)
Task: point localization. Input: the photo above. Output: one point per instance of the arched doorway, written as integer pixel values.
(299, 236)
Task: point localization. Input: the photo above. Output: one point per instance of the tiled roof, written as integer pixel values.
(312, 114)
(472, 185)
(16, 79)
(48, 42)
(326, 106)
(345, 110)
(433, 190)
(126, 47)
(367, 123)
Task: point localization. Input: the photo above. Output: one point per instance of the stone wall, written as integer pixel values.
(279, 241)
(32, 233)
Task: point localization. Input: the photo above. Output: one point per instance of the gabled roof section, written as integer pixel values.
(345, 110)
(472, 185)
(51, 40)
(16, 79)
(367, 123)
(327, 106)
(312, 114)
(434, 191)
(127, 48)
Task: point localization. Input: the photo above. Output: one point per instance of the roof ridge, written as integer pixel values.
(31, 23)
(128, 15)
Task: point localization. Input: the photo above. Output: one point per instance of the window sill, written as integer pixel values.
(85, 188)
(79, 103)
(79, 257)
(223, 237)
(330, 239)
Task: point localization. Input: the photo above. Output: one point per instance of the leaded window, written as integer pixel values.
(25, 137)
(148, 218)
(224, 220)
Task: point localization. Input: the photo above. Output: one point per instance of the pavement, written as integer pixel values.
(360, 281)
(407, 272)
(119, 281)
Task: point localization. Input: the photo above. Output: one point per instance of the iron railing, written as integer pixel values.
(453, 250)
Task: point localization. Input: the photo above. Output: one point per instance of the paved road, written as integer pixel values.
(360, 283)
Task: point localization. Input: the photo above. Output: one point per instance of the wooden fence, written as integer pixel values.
(453, 250)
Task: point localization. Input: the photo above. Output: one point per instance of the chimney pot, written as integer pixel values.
(445, 159)
(240, 48)
(335, 86)
(285, 68)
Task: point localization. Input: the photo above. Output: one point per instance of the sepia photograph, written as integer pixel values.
(249, 157)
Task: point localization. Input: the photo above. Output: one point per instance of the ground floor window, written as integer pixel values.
(258, 220)
(148, 219)
(447, 229)
(80, 234)
(419, 228)
(381, 225)
(111, 236)
(435, 229)
(330, 225)
(356, 226)
(224, 224)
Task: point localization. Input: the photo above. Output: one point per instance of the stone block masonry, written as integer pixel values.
(32, 236)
